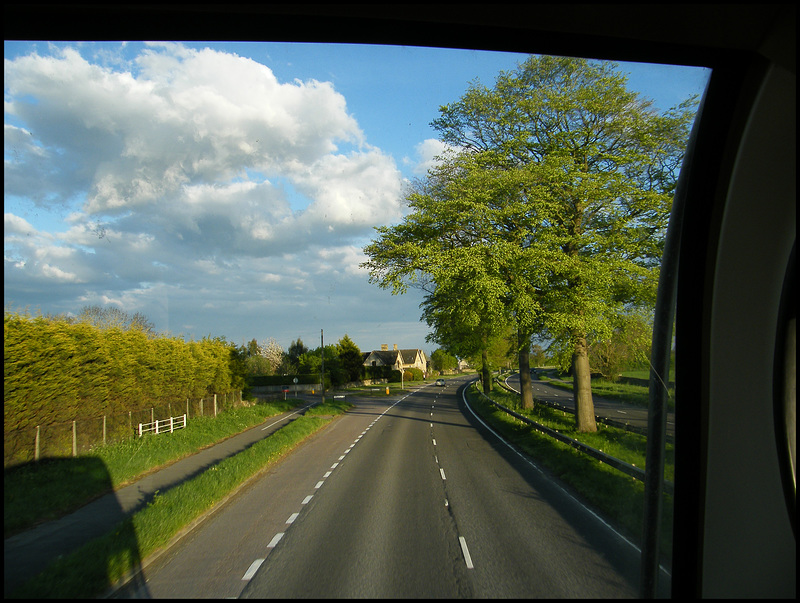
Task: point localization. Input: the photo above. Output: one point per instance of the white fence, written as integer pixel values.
(163, 426)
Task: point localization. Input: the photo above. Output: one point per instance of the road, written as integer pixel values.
(609, 409)
(404, 496)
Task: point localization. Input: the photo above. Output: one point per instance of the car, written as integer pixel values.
(440, 383)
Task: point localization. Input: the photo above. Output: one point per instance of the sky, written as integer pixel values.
(228, 189)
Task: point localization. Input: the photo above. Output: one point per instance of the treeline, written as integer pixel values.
(267, 364)
(58, 369)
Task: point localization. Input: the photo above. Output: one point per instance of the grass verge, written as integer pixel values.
(637, 395)
(103, 562)
(50, 488)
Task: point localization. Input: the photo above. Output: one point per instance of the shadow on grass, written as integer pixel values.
(49, 545)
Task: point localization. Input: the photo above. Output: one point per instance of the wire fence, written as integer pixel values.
(80, 435)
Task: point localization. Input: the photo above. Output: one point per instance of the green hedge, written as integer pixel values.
(57, 371)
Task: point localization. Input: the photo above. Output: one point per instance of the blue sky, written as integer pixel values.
(229, 189)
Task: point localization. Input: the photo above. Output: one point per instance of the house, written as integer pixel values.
(398, 359)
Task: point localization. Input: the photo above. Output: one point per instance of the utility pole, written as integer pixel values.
(322, 345)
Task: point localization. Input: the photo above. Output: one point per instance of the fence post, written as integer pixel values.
(170, 423)
(130, 420)
(74, 439)
(201, 407)
(36, 451)
(187, 407)
(104, 430)
(140, 430)
(152, 415)
(215, 405)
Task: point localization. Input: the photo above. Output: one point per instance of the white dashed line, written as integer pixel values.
(307, 499)
(251, 571)
(319, 485)
(442, 472)
(465, 550)
(292, 517)
(275, 540)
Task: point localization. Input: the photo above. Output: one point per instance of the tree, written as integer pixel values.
(556, 199)
(441, 360)
(627, 348)
(296, 350)
(350, 358)
(114, 318)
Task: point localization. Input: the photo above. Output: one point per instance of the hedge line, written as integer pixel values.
(56, 370)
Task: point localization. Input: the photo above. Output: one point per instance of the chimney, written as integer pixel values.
(395, 347)
(384, 347)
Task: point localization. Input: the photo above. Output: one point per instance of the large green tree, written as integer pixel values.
(557, 193)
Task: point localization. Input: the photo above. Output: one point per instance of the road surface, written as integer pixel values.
(404, 496)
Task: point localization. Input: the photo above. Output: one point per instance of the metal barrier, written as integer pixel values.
(163, 426)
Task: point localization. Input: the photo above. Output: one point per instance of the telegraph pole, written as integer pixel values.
(322, 345)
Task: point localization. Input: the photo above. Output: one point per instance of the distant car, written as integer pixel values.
(440, 382)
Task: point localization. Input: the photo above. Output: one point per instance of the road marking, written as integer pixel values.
(434, 441)
(307, 499)
(334, 465)
(251, 571)
(292, 517)
(442, 472)
(275, 540)
(465, 550)
(327, 475)
(319, 485)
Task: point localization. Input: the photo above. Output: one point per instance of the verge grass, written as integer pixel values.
(628, 393)
(50, 488)
(98, 565)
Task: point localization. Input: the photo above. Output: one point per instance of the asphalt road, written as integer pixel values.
(404, 496)
(609, 409)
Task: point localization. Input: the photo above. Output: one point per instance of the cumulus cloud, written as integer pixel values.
(184, 173)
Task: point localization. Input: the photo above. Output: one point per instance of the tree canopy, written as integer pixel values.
(548, 214)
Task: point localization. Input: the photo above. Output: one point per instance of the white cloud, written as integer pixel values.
(427, 153)
(197, 187)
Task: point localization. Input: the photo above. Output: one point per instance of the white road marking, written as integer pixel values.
(465, 550)
(251, 571)
(292, 517)
(319, 485)
(275, 540)
(307, 499)
(442, 472)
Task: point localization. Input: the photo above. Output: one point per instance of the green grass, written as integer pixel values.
(617, 496)
(104, 561)
(637, 395)
(48, 489)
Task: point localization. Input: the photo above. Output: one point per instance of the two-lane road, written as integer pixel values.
(403, 497)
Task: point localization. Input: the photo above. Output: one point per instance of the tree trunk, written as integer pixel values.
(582, 386)
(486, 374)
(526, 389)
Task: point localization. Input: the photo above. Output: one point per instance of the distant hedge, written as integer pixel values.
(56, 370)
